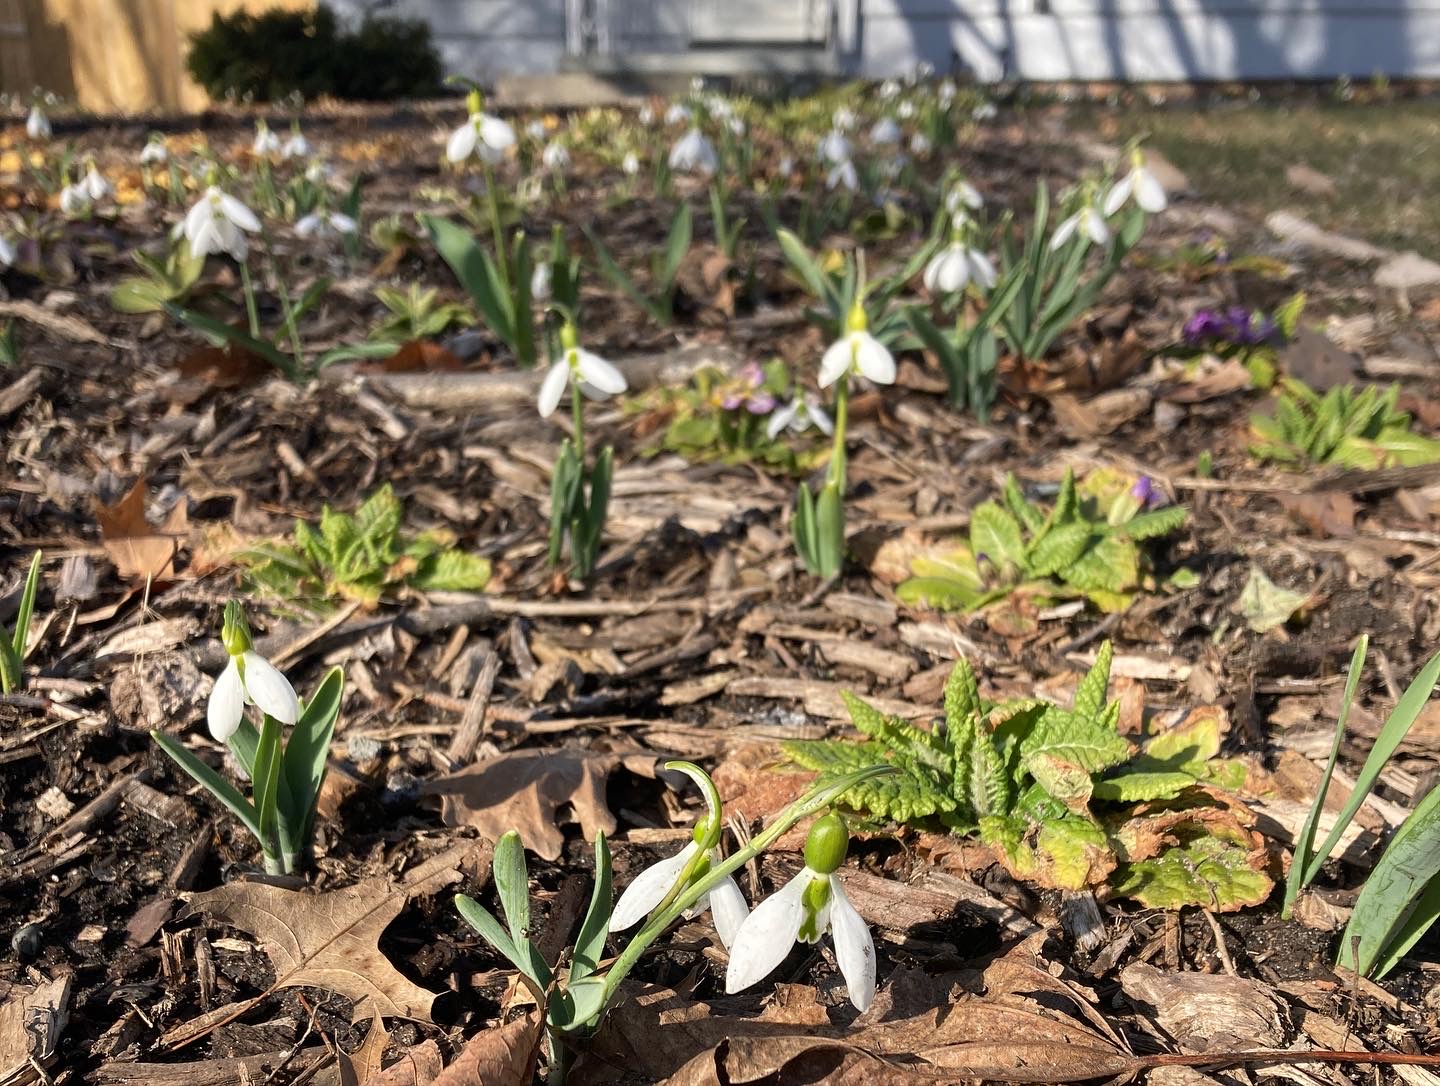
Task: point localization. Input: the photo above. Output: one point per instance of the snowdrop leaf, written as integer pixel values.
(590, 943)
(216, 785)
(306, 752)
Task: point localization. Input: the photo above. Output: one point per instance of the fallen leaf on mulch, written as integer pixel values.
(1265, 605)
(750, 787)
(330, 940)
(503, 1056)
(140, 550)
(418, 1067)
(227, 367)
(32, 1017)
(418, 356)
(524, 791)
(1102, 414)
(362, 1066)
(1330, 513)
(745, 1060)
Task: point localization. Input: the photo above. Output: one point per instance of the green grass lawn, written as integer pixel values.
(1384, 159)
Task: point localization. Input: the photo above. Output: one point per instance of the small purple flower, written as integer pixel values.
(1235, 326)
(762, 403)
(1146, 492)
(748, 391)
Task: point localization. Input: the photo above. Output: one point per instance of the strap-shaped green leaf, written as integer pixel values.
(306, 753)
(1384, 922)
(266, 784)
(590, 943)
(677, 244)
(213, 783)
(494, 933)
(225, 333)
(27, 609)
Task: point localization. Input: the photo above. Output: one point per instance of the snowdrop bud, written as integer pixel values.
(856, 320)
(826, 844)
(569, 336)
(235, 633)
(474, 102)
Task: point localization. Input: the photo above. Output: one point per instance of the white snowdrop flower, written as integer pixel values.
(219, 223)
(555, 157)
(893, 167)
(154, 152)
(963, 195)
(843, 174)
(540, 282)
(94, 185)
(482, 134)
(833, 147)
(797, 416)
(318, 172)
(697, 84)
(803, 910)
(1139, 184)
(946, 91)
(737, 126)
(646, 116)
(297, 146)
(859, 352)
(889, 89)
(924, 70)
(844, 119)
(786, 165)
(323, 223)
(37, 125)
(678, 113)
(248, 679)
(1088, 221)
(596, 378)
(73, 199)
(7, 252)
(885, 131)
(630, 164)
(693, 153)
(266, 143)
(919, 144)
(956, 265)
(985, 111)
(905, 110)
(535, 130)
(724, 901)
(719, 107)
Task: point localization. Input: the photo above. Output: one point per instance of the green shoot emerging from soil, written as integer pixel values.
(12, 646)
(1063, 798)
(361, 556)
(1348, 427)
(1088, 544)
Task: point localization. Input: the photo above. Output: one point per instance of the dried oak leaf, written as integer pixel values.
(419, 1066)
(524, 791)
(140, 550)
(330, 940)
(32, 1017)
(418, 356)
(504, 1056)
(755, 1060)
(362, 1066)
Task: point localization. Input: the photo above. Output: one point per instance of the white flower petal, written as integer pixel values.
(1065, 231)
(1095, 227)
(227, 703)
(728, 909)
(343, 223)
(7, 253)
(462, 142)
(269, 689)
(820, 418)
(308, 225)
(873, 360)
(553, 387)
(767, 934)
(495, 133)
(238, 213)
(649, 888)
(836, 362)
(982, 270)
(594, 370)
(854, 947)
(1119, 193)
(780, 418)
(1149, 193)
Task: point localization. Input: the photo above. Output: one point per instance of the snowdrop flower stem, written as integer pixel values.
(813, 802)
(251, 311)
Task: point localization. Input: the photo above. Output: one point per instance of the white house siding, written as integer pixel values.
(481, 39)
(1158, 40)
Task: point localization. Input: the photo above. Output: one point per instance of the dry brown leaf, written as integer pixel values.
(358, 1068)
(330, 940)
(31, 1021)
(785, 1060)
(240, 1071)
(750, 786)
(1207, 1012)
(224, 367)
(418, 1067)
(418, 356)
(1329, 513)
(1102, 414)
(524, 791)
(504, 1056)
(140, 550)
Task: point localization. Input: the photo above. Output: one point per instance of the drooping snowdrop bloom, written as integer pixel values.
(885, 131)
(651, 887)
(843, 174)
(94, 185)
(248, 679)
(555, 158)
(799, 415)
(73, 199)
(219, 223)
(297, 146)
(1088, 221)
(919, 144)
(154, 153)
(737, 126)
(324, 223)
(693, 153)
(803, 910)
(482, 134)
(956, 265)
(595, 377)
(946, 92)
(1140, 185)
(540, 282)
(266, 143)
(646, 116)
(889, 89)
(37, 125)
(7, 252)
(905, 110)
(318, 172)
(678, 113)
(963, 195)
(630, 164)
(985, 111)
(857, 351)
(536, 130)
(833, 147)
(843, 119)
(786, 165)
